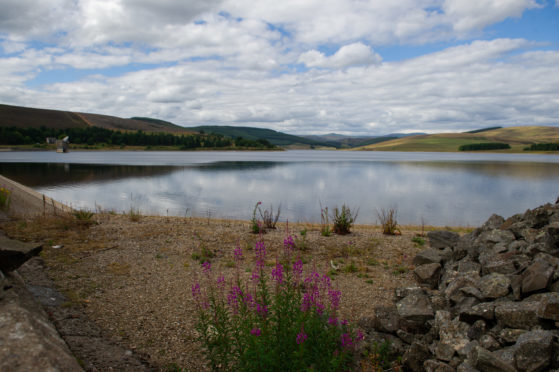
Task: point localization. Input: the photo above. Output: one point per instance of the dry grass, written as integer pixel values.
(134, 278)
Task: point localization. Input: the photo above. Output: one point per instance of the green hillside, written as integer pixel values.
(517, 137)
(274, 137)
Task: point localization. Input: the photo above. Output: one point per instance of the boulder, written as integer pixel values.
(522, 315)
(433, 365)
(537, 277)
(428, 274)
(548, 306)
(14, 253)
(494, 222)
(494, 286)
(415, 356)
(534, 350)
(483, 311)
(485, 360)
(441, 239)
(415, 309)
(427, 256)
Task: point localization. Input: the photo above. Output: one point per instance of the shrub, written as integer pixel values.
(388, 221)
(134, 214)
(344, 219)
(83, 214)
(5, 197)
(419, 241)
(484, 146)
(268, 217)
(285, 322)
(543, 147)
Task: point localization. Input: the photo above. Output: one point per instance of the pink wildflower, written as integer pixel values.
(255, 332)
(301, 336)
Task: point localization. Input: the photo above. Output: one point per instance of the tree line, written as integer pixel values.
(95, 135)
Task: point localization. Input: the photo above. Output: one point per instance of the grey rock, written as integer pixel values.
(465, 246)
(483, 311)
(427, 256)
(493, 237)
(441, 239)
(386, 319)
(477, 330)
(549, 306)
(533, 351)
(486, 361)
(509, 336)
(415, 356)
(522, 315)
(28, 341)
(472, 292)
(499, 266)
(433, 365)
(428, 274)
(414, 310)
(402, 292)
(537, 277)
(466, 367)
(444, 351)
(494, 286)
(494, 222)
(14, 253)
(538, 217)
(468, 266)
(488, 342)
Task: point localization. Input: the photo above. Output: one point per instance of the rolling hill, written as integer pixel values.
(26, 117)
(517, 137)
(274, 137)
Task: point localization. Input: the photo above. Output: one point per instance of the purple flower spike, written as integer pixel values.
(334, 298)
(277, 273)
(238, 253)
(260, 252)
(207, 266)
(255, 332)
(196, 290)
(301, 337)
(346, 340)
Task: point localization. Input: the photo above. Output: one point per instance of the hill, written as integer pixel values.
(274, 137)
(26, 117)
(517, 137)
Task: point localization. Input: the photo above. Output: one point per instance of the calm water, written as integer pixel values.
(438, 188)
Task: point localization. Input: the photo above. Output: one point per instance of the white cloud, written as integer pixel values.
(348, 55)
(469, 15)
(235, 61)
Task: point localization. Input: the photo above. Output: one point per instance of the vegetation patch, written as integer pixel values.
(543, 147)
(484, 146)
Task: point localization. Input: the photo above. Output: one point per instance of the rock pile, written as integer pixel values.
(487, 301)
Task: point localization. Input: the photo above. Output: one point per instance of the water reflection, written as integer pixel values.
(438, 192)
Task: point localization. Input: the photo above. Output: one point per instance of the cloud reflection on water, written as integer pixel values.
(439, 192)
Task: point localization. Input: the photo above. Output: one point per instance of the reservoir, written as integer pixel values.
(443, 189)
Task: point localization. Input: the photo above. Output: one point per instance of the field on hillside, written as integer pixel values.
(517, 137)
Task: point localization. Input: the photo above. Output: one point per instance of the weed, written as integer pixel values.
(344, 219)
(134, 214)
(255, 224)
(204, 254)
(398, 270)
(381, 357)
(324, 222)
(5, 197)
(268, 217)
(351, 268)
(419, 241)
(388, 221)
(372, 262)
(301, 242)
(369, 281)
(84, 216)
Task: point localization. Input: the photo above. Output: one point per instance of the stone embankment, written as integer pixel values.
(487, 301)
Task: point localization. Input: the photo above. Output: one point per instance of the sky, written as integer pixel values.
(353, 67)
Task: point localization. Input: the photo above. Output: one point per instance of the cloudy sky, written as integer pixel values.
(299, 66)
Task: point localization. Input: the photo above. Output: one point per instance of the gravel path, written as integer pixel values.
(133, 280)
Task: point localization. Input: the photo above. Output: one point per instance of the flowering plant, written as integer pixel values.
(287, 321)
